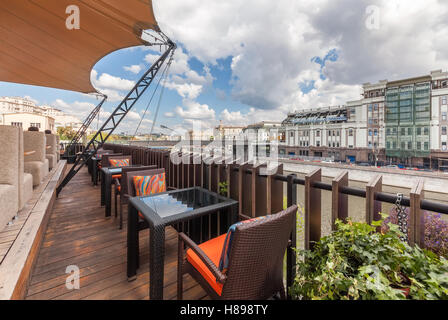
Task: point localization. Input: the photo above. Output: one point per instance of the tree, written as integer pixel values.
(66, 133)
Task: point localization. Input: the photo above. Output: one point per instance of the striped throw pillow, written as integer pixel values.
(147, 185)
(119, 162)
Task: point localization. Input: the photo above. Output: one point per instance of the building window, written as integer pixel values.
(318, 133)
(443, 116)
(388, 131)
(375, 132)
(426, 146)
(291, 134)
(444, 100)
(370, 108)
(403, 145)
(318, 143)
(376, 106)
(444, 146)
(426, 131)
(17, 124)
(329, 133)
(419, 131)
(350, 132)
(403, 131)
(443, 131)
(394, 145)
(409, 131)
(350, 146)
(409, 145)
(388, 145)
(370, 133)
(419, 145)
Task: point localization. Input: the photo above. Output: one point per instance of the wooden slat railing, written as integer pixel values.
(260, 194)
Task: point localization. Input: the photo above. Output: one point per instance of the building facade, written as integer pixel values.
(395, 122)
(23, 106)
(25, 120)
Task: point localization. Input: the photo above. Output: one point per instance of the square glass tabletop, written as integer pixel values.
(181, 201)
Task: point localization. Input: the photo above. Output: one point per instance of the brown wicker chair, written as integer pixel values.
(129, 191)
(255, 269)
(122, 190)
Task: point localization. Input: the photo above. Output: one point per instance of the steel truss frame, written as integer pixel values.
(86, 124)
(119, 113)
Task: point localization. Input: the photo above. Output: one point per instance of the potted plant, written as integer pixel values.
(356, 262)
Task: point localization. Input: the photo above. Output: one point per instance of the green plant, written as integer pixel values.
(223, 188)
(356, 262)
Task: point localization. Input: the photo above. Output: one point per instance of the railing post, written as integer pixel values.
(291, 199)
(312, 209)
(373, 207)
(274, 190)
(417, 217)
(339, 203)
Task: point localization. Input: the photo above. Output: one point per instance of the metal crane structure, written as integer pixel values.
(83, 129)
(122, 109)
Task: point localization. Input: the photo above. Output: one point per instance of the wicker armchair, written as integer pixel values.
(122, 190)
(129, 192)
(255, 269)
(9, 193)
(36, 164)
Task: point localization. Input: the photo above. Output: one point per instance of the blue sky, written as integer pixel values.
(247, 61)
(217, 94)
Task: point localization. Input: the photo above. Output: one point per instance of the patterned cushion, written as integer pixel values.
(225, 254)
(119, 162)
(147, 185)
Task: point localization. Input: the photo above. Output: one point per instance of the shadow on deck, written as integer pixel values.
(79, 234)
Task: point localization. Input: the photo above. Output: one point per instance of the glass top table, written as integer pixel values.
(169, 209)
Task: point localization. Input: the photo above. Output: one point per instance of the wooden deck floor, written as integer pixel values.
(79, 234)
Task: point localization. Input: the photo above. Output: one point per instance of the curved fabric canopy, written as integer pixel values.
(37, 48)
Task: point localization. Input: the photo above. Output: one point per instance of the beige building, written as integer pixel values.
(25, 120)
(227, 132)
(19, 105)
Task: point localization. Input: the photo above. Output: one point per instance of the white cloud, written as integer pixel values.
(135, 68)
(107, 81)
(169, 114)
(272, 45)
(36, 102)
(196, 111)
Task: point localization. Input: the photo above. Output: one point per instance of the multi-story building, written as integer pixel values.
(26, 107)
(227, 132)
(400, 122)
(266, 131)
(339, 132)
(25, 120)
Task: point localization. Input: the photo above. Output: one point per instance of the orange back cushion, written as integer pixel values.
(147, 185)
(119, 162)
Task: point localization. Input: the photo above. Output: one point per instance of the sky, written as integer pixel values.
(240, 62)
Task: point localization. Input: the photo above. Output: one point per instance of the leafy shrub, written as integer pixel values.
(223, 188)
(436, 230)
(355, 262)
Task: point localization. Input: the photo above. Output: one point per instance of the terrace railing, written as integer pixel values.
(260, 194)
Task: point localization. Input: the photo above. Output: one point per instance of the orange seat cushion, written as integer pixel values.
(213, 249)
(119, 188)
(116, 176)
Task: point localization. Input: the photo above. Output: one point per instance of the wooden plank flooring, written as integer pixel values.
(79, 234)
